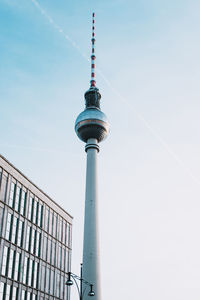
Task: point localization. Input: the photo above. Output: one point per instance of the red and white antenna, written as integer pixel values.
(93, 82)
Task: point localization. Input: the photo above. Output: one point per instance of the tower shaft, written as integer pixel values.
(91, 235)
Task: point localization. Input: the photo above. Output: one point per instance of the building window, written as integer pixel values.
(37, 243)
(17, 265)
(45, 248)
(17, 198)
(39, 214)
(23, 295)
(35, 275)
(30, 271)
(64, 231)
(1, 289)
(61, 286)
(53, 255)
(34, 297)
(42, 278)
(47, 219)
(66, 261)
(14, 293)
(63, 259)
(14, 229)
(12, 194)
(25, 269)
(70, 237)
(50, 222)
(20, 233)
(58, 284)
(55, 225)
(23, 203)
(52, 282)
(5, 260)
(28, 237)
(28, 295)
(9, 226)
(47, 280)
(49, 251)
(11, 264)
(59, 254)
(4, 186)
(30, 208)
(35, 205)
(1, 218)
(60, 230)
(7, 293)
(32, 243)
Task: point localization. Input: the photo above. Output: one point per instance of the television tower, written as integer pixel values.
(92, 127)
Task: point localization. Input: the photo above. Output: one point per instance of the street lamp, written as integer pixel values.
(73, 277)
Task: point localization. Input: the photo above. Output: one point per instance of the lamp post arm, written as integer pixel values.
(74, 278)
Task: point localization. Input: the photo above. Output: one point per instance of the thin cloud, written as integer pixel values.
(120, 97)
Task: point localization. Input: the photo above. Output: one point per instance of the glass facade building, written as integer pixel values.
(35, 240)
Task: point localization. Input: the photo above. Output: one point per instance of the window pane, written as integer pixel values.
(47, 220)
(45, 248)
(47, 280)
(37, 244)
(14, 293)
(28, 237)
(36, 265)
(23, 295)
(57, 285)
(8, 227)
(7, 294)
(53, 256)
(28, 295)
(20, 233)
(61, 286)
(12, 194)
(35, 203)
(49, 251)
(50, 222)
(41, 216)
(60, 231)
(30, 272)
(66, 261)
(52, 282)
(25, 269)
(4, 187)
(55, 225)
(17, 199)
(31, 203)
(1, 290)
(11, 263)
(63, 259)
(32, 240)
(5, 260)
(14, 228)
(23, 203)
(43, 278)
(17, 265)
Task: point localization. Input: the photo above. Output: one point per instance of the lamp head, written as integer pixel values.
(91, 292)
(69, 281)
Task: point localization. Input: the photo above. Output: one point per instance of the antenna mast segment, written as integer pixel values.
(93, 82)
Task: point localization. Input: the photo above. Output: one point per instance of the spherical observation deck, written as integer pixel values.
(92, 123)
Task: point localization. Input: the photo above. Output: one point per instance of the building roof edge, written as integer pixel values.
(31, 182)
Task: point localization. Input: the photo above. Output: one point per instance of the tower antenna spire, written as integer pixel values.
(93, 82)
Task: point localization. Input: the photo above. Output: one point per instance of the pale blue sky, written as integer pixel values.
(149, 181)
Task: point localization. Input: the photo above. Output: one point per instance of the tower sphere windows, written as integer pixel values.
(92, 123)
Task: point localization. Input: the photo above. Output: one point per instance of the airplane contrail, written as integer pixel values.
(123, 99)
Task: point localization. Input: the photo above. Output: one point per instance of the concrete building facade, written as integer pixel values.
(35, 240)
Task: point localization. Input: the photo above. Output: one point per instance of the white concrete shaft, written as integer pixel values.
(91, 235)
